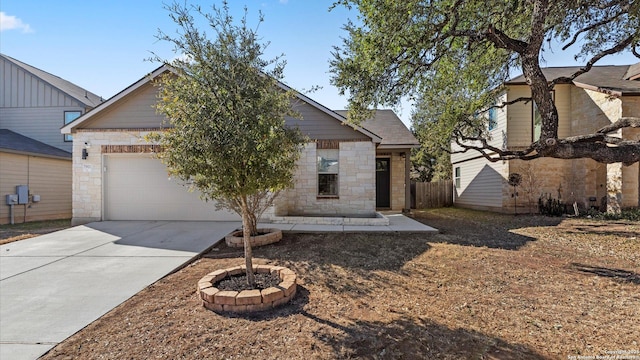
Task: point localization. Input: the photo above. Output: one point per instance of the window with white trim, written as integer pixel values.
(69, 116)
(536, 119)
(328, 166)
(493, 118)
(456, 172)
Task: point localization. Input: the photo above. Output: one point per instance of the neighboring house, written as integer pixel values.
(34, 105)
(591, 101)
(343, 171)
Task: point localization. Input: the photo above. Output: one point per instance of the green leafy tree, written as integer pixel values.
(226, 109)
(453, 56)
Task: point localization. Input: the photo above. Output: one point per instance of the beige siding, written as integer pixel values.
(519, 114)
(563, 105)
(319, 125)
(134, 111)
(518, 117)
(49, 178)
(480, 184)
(497, 136)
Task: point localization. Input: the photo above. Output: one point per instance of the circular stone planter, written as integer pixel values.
(268, 236)
(247, 300)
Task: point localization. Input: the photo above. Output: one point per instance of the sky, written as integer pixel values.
(102, 46)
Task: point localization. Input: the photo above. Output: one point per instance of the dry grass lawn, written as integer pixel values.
(10, 233)
(487, 287)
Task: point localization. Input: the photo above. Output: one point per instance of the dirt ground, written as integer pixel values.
(487, 287)
(10, 233)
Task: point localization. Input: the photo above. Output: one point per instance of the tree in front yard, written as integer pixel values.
(226, 113)
(452, 55)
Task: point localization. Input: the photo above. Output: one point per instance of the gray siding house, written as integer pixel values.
(120, 179)
(34, 105)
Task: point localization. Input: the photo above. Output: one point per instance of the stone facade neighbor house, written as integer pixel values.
(34, 105)
(343, 171)
(591, 101)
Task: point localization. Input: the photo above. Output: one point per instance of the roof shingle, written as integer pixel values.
(387, 125)
(14, 142)
(608, 78)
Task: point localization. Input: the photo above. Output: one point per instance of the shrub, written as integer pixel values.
(632, 214)
(550, 207)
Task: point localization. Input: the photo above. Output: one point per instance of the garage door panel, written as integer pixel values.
(139, 188)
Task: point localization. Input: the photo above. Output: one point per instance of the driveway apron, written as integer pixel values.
(53, 285)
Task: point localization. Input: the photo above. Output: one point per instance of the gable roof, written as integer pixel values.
(387, 125)
(165, 68)
(74, 91)
(20, 144)
(610, 79)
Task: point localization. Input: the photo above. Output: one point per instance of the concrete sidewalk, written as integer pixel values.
(53, 285)
(397, 223)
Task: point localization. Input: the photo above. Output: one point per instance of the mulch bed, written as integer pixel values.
(239, 282)
(487, 287)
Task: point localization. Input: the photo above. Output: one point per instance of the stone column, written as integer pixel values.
(407, 182)
(614, 187)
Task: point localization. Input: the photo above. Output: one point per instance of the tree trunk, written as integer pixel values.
(248, 253)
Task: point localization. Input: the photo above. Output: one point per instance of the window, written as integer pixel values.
(493, 118)
(69, 116)
(536, 120)
(457, 176)
(327, 172)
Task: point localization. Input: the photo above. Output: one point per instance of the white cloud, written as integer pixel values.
(284, 1)
(10, 22)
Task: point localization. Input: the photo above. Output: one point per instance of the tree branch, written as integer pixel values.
(617, 48)
(624, 122)
(593, 26)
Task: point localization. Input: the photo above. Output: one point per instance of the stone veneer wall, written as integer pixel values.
(357, 184)
(630, 177)
(551, 177)
(87, 173)
(397, 182)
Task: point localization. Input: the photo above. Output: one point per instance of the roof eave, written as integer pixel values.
(69, 128)
(398, 146)
(603, 90)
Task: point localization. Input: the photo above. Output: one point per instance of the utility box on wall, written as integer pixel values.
(23, 194)
(12, 199)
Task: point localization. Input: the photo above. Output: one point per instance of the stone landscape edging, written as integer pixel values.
(270, 236)
(247, 300)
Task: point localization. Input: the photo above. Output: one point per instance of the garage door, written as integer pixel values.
(138, 188)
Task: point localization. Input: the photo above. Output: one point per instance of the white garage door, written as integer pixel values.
(138, 188)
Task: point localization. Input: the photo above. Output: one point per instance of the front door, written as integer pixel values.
(383, 183)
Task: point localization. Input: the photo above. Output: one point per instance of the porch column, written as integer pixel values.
(407, 182)
(614, 187)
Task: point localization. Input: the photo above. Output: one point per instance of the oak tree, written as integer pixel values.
(454, 55)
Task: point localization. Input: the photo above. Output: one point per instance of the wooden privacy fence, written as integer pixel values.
(431, 194)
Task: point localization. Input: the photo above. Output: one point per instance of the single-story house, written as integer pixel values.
(117, 177)
(34, 155)
(593, 100)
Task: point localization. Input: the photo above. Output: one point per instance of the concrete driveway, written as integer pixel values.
(53, 285)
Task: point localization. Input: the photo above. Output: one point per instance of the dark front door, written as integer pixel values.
(383, 183)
